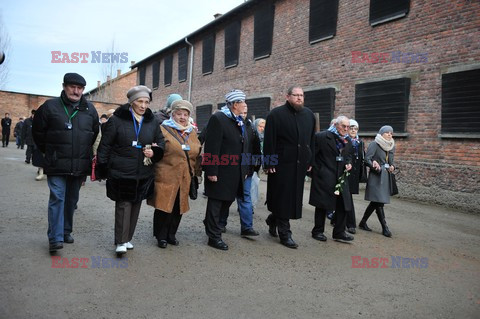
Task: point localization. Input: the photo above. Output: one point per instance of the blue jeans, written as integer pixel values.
(245, 207)
(64, 192)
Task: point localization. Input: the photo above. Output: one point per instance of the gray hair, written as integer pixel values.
(342, 118)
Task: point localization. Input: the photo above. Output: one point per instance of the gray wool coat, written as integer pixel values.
(378, 184)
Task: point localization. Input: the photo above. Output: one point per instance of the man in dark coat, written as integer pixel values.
(27, 137)
(333, 156)
(6, 126)
(225, 141)
(64, 130)
(288, 149)
(17, 131)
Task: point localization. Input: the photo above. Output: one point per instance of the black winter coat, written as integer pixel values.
(327, 170)
(253, 157)
(358, 173)
(67, 149)
(128, 179)
(27, 136)
(288, 146)
(222, 157)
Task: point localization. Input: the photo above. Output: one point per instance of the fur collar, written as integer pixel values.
(123, 112)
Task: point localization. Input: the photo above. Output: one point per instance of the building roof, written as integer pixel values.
(218, 21)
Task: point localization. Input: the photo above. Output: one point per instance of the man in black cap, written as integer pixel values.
(6, 127)
(64, 129)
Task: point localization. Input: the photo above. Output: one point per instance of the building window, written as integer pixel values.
(382, 103)
(203, 115)
(141, 76)
(258, 107)
(323, 20)
(155, 74)
(263, 31)
(461, 102)
(168, 66)
(322, 102)
(387, 10)
(182, 64)
(208, 54)
(232, 44)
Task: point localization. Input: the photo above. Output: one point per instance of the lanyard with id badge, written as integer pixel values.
(68, 125)
(135, 143)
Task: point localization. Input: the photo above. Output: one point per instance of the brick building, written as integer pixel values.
(114, 90)
(21, 104)
(412, 64)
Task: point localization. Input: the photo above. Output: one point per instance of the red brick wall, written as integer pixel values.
(21, 104)
(449, 31)
(115, 91)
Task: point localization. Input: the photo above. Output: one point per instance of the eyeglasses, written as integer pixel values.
(239, 101)
(296, 95)
(344, 126)
(353, 128)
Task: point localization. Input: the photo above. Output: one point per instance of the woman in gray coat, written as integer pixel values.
(379, 158)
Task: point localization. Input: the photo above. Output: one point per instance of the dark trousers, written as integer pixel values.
(165, 225)
(340, 219)
(215, 209)
(351, 222)
(29, 152)
(5, 138)
(283, 226)
(126, 217)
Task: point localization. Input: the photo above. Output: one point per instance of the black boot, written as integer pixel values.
(381, 217)
(272, 226)
(368, 212)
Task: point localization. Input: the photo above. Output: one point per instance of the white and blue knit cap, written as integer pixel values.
(235, 95)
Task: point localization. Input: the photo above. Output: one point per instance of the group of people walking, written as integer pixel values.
(158, 157)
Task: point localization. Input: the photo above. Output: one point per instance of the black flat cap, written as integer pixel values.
(74, 78)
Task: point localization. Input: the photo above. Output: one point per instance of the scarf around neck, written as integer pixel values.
(226, 110)
(384, 144)
(183, 129)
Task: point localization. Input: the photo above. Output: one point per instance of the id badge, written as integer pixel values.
(339, 158)
(68, 126)
(134, 143)
(185, 147)
(387, 166)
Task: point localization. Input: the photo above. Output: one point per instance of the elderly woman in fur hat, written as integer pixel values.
(174, 173)
(131, 143)
(379, 158)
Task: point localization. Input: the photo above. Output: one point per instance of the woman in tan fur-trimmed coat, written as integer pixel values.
(172, 175)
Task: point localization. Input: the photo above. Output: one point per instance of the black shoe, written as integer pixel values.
(55, 246)
(249, 232)
(272, 228)
(162, 243)
(343, 237)
(351, 230)
(223, 229)
(288, 242)
(319, 236)
(218, 244)
(363, 225)
(386, 232)
(28, 162)
(173, 241)
(68, 239)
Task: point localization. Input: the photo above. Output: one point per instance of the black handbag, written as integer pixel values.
(393, 184)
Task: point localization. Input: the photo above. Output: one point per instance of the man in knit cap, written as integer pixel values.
(64, 130)
(225, 141)
(164, 114)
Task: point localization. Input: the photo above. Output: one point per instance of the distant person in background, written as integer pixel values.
(259, 127)
(27, 137)
(110, 113)
(6, 126)
(17, 133)
(166, 112)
